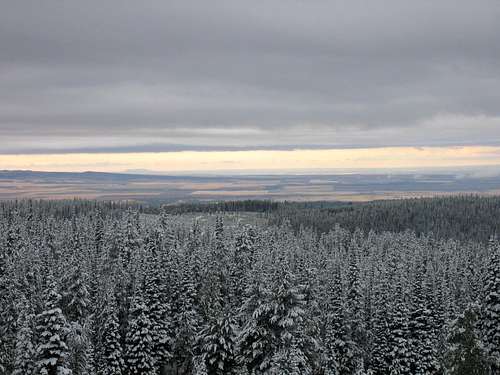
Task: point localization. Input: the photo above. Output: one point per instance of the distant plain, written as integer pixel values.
(161, 188)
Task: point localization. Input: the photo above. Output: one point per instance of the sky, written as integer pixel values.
(119, 85)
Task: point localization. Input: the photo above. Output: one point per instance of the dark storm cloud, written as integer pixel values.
(170, 75)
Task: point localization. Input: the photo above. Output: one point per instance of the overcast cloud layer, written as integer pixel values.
(93, 76)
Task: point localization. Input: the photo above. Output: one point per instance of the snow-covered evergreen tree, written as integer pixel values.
(399, 333)
(422, 350)
(112, 362)
(187, 319)
(288, 361)
(381, 351)
(159, 311)
(7, 312)
(241, 264)
(76, 298)
(465, 352)
(255, 339)
(25, 350)
(131, 240)
(81, 357)
(342, 354)
(52, 350)
(76, 305)
(274, 327)
(217, 345)
(491, 306)
(140, 359)
(199, 366)
(354, 306)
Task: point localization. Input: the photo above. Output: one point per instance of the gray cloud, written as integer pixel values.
(222, 75)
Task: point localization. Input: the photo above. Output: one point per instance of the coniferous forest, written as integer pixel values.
(117, 289)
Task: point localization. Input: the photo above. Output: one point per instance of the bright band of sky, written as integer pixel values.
(185, 161)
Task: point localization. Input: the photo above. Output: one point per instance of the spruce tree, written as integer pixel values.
(287, 318)
(112, 354)
(81, 357)
(131, 240)
(342, 354)
(76, 298)
(491, 306)
(76, 301)
(465, 353)
(139, 344)
(381, 349)
(422, 350)
(7, 311)
(24, 351)
(255, 340)
(240, 265)
(217, 345)
(187, 319)
(199, 366)
(159, 311)
(289, 361)
(354, 306)
(52, 328)
(274, 328)
(399, 333)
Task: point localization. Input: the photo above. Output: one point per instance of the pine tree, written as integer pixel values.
(465, 353)
(491, 306)
(139, 343)
(52, 350)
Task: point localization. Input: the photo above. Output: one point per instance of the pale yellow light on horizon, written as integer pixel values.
(364, 158)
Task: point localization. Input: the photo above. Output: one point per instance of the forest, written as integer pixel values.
(395, 287)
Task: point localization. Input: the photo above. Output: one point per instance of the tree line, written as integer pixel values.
(462, 217)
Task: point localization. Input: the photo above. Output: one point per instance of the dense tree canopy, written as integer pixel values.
(102, 288)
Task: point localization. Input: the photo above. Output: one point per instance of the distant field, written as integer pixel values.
(348, 187)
